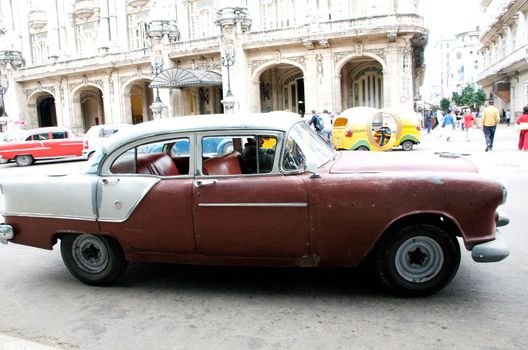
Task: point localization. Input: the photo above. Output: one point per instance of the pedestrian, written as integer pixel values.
(428, 121)
(469, 119)
(327, 129)
(490, 120)
(439, 118)
(523, 130)
(508, 117)
(448, 125)
(318, 124)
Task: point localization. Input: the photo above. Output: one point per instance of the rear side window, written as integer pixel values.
(156, 158)
(59, 135)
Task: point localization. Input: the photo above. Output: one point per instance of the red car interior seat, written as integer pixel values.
(228, 164)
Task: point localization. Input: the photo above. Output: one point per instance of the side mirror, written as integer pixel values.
(312, 169)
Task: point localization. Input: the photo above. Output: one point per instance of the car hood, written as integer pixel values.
(377, 162)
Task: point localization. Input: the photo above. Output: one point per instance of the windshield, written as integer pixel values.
(312, 148)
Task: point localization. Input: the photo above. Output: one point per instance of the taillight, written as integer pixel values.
(418, 127)
(348, 133)
(85, 144)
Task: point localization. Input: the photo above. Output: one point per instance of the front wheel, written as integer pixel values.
(24, 160)
(362, 148)
(94, 260)
(418, 260)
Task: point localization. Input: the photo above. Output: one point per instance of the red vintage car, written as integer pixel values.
(278, 197)
(41, 143)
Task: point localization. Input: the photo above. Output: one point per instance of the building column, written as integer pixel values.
(234, 23)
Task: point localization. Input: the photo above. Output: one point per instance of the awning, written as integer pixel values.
(178, 77)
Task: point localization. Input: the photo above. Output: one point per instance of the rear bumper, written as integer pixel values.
(491, 251)
(6, 233)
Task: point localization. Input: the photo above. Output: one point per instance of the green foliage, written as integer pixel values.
(470, 96)
(445, 104)
(457, 99)
(480, 98)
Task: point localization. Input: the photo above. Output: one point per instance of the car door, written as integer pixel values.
(258, 214)
(62, 144)
(143, 203)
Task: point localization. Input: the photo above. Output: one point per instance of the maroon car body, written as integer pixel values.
(305, 205)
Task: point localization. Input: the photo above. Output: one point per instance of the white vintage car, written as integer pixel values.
(277, 196)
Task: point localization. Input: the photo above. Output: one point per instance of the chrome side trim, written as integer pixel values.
(49, 216)
(281, 205)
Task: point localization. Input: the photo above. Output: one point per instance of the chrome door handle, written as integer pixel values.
(200, 183)
(106, 181)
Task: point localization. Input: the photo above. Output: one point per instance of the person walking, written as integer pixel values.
(490, 120)
(327, 130)
(469, 119)
(428, 121)
(523, 130)
(508, 117)
(448, 125)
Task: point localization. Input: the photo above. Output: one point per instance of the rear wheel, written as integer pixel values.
(407, 145)
(94, 260)
(418, 260)
(24, 160)
(362, 148)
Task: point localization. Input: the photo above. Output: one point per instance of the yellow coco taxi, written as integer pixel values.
(372, 129)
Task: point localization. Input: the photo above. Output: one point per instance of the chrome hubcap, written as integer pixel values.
(419, 259)
(90, 253)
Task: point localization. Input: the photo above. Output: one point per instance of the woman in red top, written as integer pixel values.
(523, 135)
(469, 119)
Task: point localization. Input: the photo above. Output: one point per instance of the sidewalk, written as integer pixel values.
(13, 343)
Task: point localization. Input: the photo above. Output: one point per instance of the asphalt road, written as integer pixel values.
(187, 307)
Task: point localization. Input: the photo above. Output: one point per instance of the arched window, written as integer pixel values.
(277, 13)
(85, 34)
(39, 48)
(138, 30)
(201, 19)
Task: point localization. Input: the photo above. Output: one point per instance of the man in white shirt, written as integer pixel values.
(327, 121)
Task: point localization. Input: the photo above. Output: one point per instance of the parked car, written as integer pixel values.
(41, 143)
(96, 136)
(372, 129)
(295, 203)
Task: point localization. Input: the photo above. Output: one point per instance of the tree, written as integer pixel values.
(480, 98)
(470, 96)
(457, 99)
(445, 104)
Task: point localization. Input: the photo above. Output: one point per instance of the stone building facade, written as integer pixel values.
(457, 62)
(96, 61)
(504, 39)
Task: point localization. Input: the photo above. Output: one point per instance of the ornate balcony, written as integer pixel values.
(137, 4)
(84, 9)
(37, 19)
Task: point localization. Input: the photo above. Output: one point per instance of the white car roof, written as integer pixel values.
(279, 121)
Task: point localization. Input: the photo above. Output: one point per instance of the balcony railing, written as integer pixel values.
(189, 46)
(85, 64)
(500, 66)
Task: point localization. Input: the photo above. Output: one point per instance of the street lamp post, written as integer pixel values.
(228, 60)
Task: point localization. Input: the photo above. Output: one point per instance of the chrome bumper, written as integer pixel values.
(491, 251)
(6, 233)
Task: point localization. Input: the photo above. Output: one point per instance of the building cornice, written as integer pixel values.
(495, 27)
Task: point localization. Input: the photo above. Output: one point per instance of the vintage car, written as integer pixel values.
(372, 129)
(96, 136)
(41, 143)
(281, 197)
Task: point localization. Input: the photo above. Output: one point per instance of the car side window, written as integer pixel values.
(251, 154)
(59, 135)
(156, 158)
(294, 158)
(38, 137)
